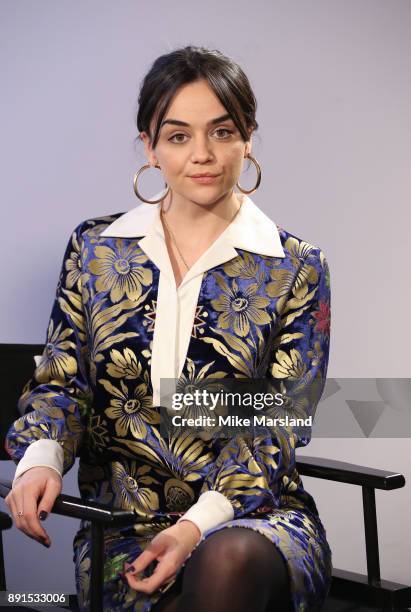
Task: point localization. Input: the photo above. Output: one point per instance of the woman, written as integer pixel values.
(197, 284)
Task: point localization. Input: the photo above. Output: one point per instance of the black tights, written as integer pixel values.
(234, 570)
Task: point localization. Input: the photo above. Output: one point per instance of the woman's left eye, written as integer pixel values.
(224, 130)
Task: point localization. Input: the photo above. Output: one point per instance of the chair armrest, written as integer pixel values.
(350, 473)
(75, 507)
(5, 521)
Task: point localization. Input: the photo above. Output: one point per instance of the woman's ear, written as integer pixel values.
(248, 144)
(248, 148)
(151, 158)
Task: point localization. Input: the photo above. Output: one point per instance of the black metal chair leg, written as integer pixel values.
(371, 535)
(2, 570)
(97, 567)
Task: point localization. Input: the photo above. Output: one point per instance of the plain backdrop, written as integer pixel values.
(333, 85)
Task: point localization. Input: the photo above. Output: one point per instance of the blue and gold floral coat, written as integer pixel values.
(261, 316)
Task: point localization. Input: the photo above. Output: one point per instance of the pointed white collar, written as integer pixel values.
(251, 230)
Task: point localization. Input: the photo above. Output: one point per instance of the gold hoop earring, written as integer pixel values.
(256, 186)
(135, 180)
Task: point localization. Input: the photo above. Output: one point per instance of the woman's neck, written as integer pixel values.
(194, 223)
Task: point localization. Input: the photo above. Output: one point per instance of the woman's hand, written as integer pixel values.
(34, 492)
(171, 547)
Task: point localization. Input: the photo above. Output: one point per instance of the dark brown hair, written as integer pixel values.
(172, 70)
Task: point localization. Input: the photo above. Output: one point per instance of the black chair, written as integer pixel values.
(349, 591)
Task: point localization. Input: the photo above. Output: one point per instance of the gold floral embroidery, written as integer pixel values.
(101, 325)
(56, 363)
(129, 492)
(73, 265)
(132, 410)
(120, 271)
(179, 495)
(98, 432)
(124, 365)
(289, 366)
(245, 267)
(239, 307)
(299, 251)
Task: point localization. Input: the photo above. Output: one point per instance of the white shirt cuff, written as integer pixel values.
(41, 453)
(211, 509)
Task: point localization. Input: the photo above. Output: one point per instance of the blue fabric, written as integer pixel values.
(257, 316)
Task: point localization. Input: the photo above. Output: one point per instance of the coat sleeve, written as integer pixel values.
(55, 402)
(250, 472)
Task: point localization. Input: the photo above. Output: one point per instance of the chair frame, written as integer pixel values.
(368, 589)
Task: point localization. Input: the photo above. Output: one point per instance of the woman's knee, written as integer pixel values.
(237, 550)
(230, 546)
(242, 565)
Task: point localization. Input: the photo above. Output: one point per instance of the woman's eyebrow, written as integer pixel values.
(212, 122)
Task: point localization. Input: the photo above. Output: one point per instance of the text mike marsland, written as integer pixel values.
(236, 421)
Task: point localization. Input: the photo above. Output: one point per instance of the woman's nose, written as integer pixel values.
(201, 150)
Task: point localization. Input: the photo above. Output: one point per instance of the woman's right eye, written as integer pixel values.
(174, 136)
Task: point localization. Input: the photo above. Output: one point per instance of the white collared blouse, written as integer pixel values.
(251, 230)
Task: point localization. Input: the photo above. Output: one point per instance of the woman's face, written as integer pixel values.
(199, 146)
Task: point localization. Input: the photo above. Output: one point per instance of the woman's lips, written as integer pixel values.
(205, 180)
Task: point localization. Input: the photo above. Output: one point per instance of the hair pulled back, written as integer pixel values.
(185, 65)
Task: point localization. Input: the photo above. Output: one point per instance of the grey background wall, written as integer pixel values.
(333, 84)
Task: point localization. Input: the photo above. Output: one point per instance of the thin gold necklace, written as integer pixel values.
(173, 238)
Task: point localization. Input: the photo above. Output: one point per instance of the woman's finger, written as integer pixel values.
(163, 573)
(16, 503)
(14, 509)
(33, 524)
(16, 506)
(51, 490)
(152, 552)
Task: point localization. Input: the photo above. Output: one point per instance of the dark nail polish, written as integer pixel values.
(131, 569)
(43, 515)
(44, 544)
